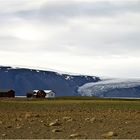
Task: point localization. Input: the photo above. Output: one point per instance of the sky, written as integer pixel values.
(92, 37)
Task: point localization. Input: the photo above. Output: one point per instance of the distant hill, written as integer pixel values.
(23, 80)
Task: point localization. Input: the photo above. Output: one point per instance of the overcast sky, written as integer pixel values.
(96, 37)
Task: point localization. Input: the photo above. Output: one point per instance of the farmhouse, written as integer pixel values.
(7, 93)
(49, 94)
(41, 94)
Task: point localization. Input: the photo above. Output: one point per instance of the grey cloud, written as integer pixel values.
(11, 44)
(63, 10)
(102, 43)
(72, 29)
(77, 40)
(14, 44)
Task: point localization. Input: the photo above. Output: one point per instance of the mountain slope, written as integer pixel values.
(23, 80)
(112, 88)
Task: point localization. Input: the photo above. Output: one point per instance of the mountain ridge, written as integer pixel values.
(23, 80)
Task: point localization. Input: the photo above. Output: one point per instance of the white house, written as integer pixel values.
(49, 94)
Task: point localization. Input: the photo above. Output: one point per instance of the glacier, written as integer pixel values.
(114, 87)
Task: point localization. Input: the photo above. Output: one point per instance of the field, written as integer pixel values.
(69, 118)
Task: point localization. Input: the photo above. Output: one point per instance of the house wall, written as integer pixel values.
(50, 95)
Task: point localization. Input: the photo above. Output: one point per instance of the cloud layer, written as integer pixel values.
(81, 36)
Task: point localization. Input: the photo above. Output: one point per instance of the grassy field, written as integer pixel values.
(82, 117)
(41, 104)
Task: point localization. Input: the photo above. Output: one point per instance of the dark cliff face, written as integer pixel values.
(23, 80)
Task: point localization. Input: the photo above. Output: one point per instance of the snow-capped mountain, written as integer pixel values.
(112, 88)
(23, 80)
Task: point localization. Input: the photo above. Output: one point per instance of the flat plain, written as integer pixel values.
(65, 118)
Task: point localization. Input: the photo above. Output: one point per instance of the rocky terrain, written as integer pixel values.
(76, 119)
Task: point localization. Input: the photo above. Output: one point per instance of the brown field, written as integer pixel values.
(63, 119)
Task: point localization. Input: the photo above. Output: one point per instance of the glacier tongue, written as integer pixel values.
(112, 88)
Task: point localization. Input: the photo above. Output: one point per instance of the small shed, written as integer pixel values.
(7, 93)
(29, 94)
(49, 94)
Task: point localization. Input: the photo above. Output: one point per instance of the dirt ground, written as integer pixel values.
(68, 119)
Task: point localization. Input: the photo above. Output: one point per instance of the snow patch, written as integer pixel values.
(68, 77)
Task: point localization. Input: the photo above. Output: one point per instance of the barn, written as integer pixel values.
(7, 93)
(39, 93)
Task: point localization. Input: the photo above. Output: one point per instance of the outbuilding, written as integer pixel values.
(7, 93)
